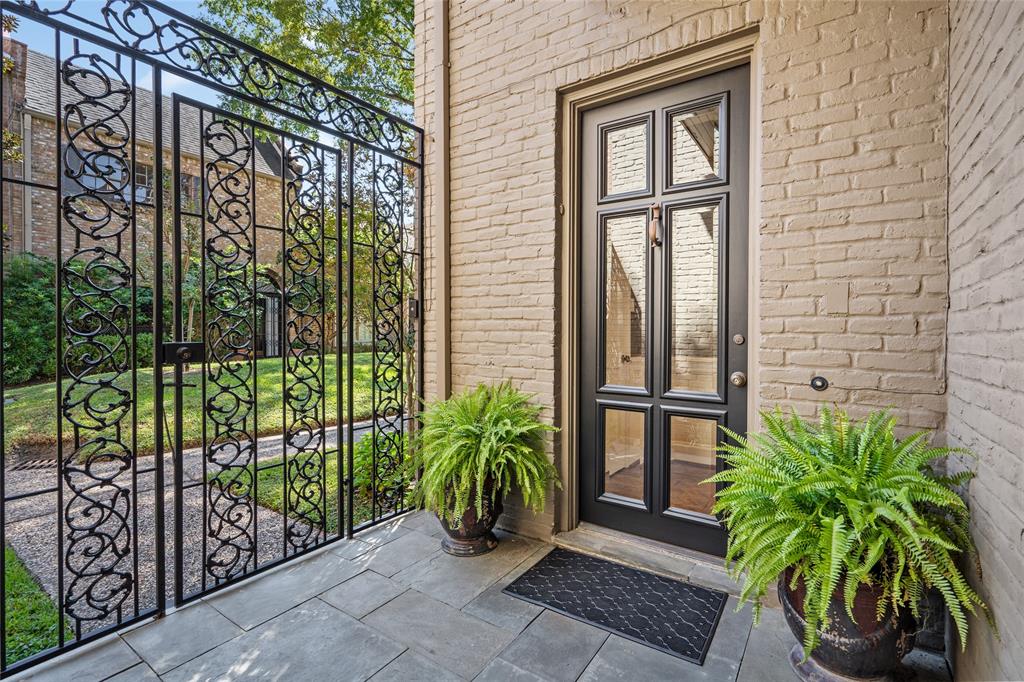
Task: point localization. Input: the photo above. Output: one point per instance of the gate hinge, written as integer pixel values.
(177, 352)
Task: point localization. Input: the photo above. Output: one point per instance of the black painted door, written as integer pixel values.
(663, 353)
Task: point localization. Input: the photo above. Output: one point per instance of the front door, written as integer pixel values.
(663, 353)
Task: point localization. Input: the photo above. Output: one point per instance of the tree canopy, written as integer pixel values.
(364, 47)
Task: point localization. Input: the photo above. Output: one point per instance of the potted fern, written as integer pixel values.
(470, 451)
(855, 526)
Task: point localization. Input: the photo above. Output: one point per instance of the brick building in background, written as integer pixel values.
(30, 215)
(886, 247)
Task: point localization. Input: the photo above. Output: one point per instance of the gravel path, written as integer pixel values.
(32, 532)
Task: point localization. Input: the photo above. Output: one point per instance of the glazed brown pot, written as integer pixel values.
(864, 648)
(474, 534)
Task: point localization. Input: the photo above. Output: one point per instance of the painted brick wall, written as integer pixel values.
(986, 325)
(853, 188)
(426, 89)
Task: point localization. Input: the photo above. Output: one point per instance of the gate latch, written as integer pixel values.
(180, 352)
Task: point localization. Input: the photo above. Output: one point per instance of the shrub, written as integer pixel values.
(362, 462)
(29, 318)
(30, 336)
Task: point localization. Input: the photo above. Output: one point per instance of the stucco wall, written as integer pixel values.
(852, 245)
(986, 325)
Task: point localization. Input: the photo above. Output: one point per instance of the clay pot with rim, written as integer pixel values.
(474, 535)
(864, 648)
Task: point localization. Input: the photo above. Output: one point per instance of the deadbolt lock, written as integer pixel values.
(738, 379)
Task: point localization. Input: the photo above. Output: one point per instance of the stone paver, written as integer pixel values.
(424, 522)
(137, 673)
(458, 580)
(314, 641)
(402, 552)
(362, 594)
(450, 638)
(181, 636)
(766, 658)
(94, 662)
(413, 667)
(726, 650)
(264, 597)
(505, 611)
(500, 670)
(555, 647)
(626, 660)
(302, 622)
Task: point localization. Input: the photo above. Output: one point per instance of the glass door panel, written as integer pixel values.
(692, 458)
(625, 300)
(693, 301)
(624, 473)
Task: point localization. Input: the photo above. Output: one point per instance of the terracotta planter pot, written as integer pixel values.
(474, 535)
(863, 648)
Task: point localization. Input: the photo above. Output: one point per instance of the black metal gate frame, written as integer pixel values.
(98, 561)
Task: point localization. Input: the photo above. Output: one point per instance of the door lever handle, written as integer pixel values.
(654, 227)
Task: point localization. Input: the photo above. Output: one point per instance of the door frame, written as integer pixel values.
(728, 51)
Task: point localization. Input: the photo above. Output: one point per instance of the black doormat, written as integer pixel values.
(675, 617)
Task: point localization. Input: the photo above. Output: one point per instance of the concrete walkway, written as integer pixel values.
(391, 606)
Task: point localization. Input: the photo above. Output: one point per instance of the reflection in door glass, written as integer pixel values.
(625, 300)
(624, 453)
(625, 159)
(694, 298)
(692, 443)
(695, 145)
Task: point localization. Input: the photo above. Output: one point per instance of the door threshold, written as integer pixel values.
(669, 561)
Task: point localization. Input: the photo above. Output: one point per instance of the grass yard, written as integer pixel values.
(30, 423)
(31, 615)
(270, 494)
(270, 484)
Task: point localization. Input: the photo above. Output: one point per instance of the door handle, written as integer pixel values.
(654, 227)
(738, 379)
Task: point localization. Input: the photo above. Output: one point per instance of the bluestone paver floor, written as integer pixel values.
(390, 606)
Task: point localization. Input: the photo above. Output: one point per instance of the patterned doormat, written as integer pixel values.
(675, 617)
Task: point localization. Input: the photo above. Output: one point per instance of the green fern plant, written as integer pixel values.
(845, 503)
(490, 432)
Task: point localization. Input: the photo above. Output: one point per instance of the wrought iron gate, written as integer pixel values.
(177, 214)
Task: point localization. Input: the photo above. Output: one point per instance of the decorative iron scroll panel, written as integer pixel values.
(278, 274)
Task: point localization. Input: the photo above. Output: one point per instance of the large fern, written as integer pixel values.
(490, 432)
(845, 503)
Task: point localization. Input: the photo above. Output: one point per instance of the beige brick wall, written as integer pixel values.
(986, 326)
(426, 64)
(852, 245)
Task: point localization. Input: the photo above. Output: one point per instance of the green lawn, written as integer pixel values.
(270, 491)
(270, 485)
(30, 418)
(31, 615)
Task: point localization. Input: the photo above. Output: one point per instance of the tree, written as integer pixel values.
(364, 47)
